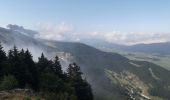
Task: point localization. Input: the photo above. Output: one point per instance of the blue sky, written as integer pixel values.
(89, 15)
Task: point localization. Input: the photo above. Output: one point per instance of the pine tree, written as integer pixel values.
(57, 67)
(8, 69)
(15, 52)
(44, 65)
(45, 75)
(82, 88)
(17, 66)
(2, 54)
(40, 64)
(22, 54)
(10, 56)
(3, 59)
(31, 71)
(74, 72)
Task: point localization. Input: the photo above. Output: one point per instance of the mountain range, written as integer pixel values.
(112, 76)
(157, 48)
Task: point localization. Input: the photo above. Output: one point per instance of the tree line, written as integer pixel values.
(19, 70)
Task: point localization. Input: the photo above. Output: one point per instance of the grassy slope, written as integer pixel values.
(161, 60)
(18, 95)
(131, 81)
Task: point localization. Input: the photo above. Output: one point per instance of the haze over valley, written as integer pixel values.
(84, 50)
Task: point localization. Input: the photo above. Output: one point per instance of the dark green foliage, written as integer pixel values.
(8, 82)
(3, 59)
(2, 54)
(57, 67)
(42, 63)
(82, 88)
(160, 91)
(31, 70)
(22, 67)
(38, 98)
(18, 70)
(17, 67)
(50, 82)
(74, 72)
(26, 98)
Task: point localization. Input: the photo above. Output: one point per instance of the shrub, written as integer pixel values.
(38, 98)
(8, 82)
(26, 98)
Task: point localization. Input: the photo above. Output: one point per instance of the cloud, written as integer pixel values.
(130, 38)
(66, 32)
(53, 31)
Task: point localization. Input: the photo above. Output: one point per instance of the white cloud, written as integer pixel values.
(130, 38)
(53, 31)
(66, 32)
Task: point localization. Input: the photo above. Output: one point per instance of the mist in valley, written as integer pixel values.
(84, 50)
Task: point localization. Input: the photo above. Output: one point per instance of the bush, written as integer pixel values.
(8, 82)
(26, 98)
(38, 98)
(50, 82)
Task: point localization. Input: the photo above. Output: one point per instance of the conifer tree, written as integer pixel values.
(31, 70)
(42, 63)
(3, 60)
(82, 88)
(17, 66)
(2, 54)
(57, 67)
(74, 72)
(45, 75)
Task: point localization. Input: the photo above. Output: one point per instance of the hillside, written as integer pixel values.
(95, 64)
(154, 48)
(19, 94)
(157, 48)
(44, 78)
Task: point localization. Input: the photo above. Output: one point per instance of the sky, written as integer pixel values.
(115, 21)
